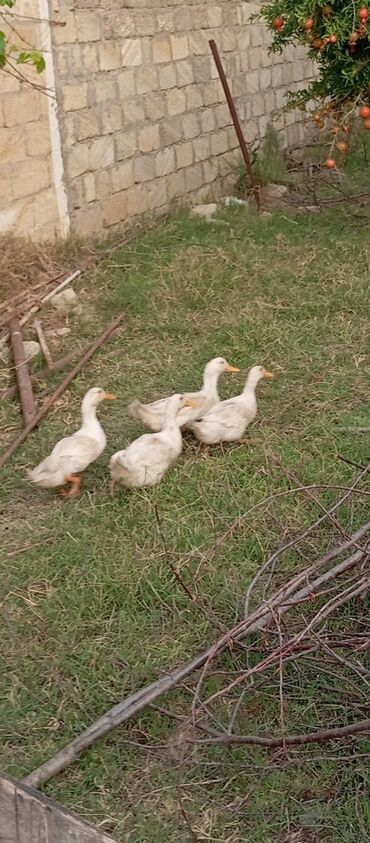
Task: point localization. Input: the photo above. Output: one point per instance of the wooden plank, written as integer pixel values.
(8, 812)
(27, 816)
(32, 821)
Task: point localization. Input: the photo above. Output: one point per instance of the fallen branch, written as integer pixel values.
(322, 735)
(21, 368)
(11, 391)
(43, 344)
(353, 429)
(60, 389)
(350, 462)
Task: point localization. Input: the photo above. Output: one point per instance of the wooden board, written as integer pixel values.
(27, 816)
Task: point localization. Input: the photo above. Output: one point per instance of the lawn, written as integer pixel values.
(90, 608)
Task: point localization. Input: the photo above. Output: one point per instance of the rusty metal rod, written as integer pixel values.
(236, 121)
(21, 370)
(60, 389)
(41, 374)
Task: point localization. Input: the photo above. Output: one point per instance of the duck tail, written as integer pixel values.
(135, 408)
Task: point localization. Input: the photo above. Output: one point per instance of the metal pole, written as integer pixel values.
(22, 372)
(236, 121)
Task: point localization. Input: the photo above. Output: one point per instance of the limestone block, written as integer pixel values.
(103, 184)
(118, 26)
(167, 76)
(171, 131)
(194, 97)
(126, 84)
(183, 19)
(190, 126)
(179, 47)
(184, 72)
(111, 118)
(146, 25)
(87, 26)
(201, 148)
(228, 41)
(198, 44)
(164, 21)
(184, 155)
(23, 108)
(77, 160)
(193, 177)
(144, 168)
(222, 116)
(214, 16)
(109, 56)
(146, 79)
(149, 138)
(131, 52)
(157, 194)
(208, 120)
(89, 187)
(74, 97)
(176, 102)
(265, 79)
(165, 162)
(114, 208)
(155, 106)
(65, 34)
(176, 184)
(161, 50)
(219, 143)
(101, 153)
(133, 112)
(105, 89)
(86, 125)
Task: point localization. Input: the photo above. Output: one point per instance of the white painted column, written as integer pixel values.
(56, 145)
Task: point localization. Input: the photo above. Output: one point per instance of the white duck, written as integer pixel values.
(146, 460)
(227, 420)
(73, 454)
(153, 415)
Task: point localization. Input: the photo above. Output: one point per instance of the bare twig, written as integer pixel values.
(43, 344)
(350, 462)
(321, 736)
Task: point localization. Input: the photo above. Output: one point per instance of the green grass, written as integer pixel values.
(90, 610)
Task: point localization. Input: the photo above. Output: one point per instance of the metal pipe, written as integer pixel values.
(236, 121)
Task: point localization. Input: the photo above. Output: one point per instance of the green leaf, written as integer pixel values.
(32, 57)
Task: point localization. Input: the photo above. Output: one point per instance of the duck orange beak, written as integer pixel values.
(108, 396)
(267, 374)
(190, 403)
(229, 368)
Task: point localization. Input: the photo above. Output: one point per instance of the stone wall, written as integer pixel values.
(32, 197)
(141, 113)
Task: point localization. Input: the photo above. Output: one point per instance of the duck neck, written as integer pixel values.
(172, 426)
(251, 383)
(210, 381)
(89, 419)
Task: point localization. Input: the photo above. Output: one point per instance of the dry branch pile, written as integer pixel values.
(310, 622)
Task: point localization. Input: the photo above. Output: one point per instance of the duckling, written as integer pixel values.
(153, 415)
(146, 460)
(71, 455)
(227, 420)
